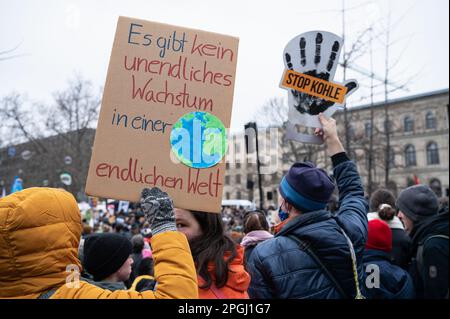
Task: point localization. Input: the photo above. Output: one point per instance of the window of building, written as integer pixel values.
(368, 161)
(351, 130)
(391, 158)
(238, 165)
(238, 179)
(408, 124)
(238, 147)
(367, 129)
(227, 165)
(227, 180)
(273, 160)
(227, 195)
(274, 141)
(274, 177)
(387, 126)
(250, 182)
(430, 120)
(432, 153)
(410, 155)
(238, 195)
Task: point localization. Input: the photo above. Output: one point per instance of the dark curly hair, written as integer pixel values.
(255, 220)
(381, 196)
(386, 212)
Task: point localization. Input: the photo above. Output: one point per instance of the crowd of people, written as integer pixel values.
(315, 245)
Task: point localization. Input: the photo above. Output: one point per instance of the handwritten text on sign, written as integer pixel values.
(157, 74)
(314, 86)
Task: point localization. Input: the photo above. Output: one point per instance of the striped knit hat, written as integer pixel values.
(306, 187)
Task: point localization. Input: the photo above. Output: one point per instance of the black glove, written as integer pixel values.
(158, 210)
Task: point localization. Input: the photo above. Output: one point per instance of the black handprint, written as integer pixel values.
(334, 51)
(305, 103)
(319, 39)
(302, 51)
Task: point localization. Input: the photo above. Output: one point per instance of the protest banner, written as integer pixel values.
(311, 60)
(163, 83)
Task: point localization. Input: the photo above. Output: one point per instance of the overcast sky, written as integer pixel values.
(60, 38)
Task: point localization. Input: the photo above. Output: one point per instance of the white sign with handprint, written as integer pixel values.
(311, 60)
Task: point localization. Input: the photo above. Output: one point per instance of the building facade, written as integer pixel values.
(419, 152)
(42, 162)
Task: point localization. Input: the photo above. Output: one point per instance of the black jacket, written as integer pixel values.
(137, 258)
(430, 279)
(401, 248)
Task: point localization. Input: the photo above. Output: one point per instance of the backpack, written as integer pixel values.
(419, 255)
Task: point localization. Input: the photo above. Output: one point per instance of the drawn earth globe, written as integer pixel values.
(198, 139)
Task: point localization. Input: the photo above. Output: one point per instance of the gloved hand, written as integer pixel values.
(158, 210)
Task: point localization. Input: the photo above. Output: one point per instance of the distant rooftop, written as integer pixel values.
(402, 99)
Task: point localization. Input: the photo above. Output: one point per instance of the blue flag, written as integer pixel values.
(17, 185)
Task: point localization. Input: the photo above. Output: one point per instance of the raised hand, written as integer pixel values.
(158, 209)
(329, 134)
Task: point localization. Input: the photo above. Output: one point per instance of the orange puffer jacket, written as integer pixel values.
(40, 229)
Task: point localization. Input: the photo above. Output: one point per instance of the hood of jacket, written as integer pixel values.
(40, 229)
(395, 282)
(238, 278)
(255, 237)
(111, 286)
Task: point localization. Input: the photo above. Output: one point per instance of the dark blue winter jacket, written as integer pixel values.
(386, 280)
(280, 269)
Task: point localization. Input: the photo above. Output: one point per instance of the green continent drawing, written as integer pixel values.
(199, 139)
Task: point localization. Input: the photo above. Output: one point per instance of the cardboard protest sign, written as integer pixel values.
(311, 60)
(168, 88)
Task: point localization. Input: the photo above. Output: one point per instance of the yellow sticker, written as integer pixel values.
(314, 86)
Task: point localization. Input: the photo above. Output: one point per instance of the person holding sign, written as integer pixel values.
(315, 254)
(43, 227)
(219, 261)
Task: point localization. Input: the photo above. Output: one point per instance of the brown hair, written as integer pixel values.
(211, 247)
(381, 196)
(255, 220)
(386, 212)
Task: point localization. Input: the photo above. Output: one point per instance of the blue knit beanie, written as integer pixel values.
(306, 187)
